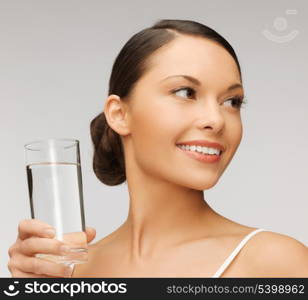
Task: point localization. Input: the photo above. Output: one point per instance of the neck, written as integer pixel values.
(161, 215)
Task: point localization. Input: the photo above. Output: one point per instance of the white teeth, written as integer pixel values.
(200, 149)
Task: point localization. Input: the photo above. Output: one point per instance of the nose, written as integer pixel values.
(209, 115)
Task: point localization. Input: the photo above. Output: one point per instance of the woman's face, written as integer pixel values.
(166, 109)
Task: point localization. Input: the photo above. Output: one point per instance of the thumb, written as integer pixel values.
(91, 233)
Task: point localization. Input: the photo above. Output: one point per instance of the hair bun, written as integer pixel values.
(108, 161)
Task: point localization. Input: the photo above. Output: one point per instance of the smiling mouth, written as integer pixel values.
(201, 157)
(200, 150)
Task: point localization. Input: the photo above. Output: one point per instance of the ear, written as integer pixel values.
(116, 113)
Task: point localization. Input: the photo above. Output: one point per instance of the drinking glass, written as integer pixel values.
(56, 196)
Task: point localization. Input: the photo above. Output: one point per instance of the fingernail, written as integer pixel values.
(64, 249)
(69, 271)
(50, 232)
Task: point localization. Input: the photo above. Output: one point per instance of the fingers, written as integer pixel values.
(33, 227)
(91, 233)
(32, 239)
(20, 274)
(34, 245)
(33, 265)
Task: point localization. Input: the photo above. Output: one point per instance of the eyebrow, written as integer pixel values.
(197, 82)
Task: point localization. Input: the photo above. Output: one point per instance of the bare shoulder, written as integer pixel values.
(271, 254)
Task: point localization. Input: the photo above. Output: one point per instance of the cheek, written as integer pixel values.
(154, 133)
(234, 134)
(155, 127)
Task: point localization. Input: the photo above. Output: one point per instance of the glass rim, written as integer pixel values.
(29, 144)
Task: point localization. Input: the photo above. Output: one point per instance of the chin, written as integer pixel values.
(204, 186)
(199, 185)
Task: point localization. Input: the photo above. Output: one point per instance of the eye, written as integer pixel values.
(184, 92)
(236, 101)
(191, 92)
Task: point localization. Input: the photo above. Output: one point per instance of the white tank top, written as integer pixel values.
(230, 258)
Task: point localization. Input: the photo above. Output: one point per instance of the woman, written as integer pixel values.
(170, 127)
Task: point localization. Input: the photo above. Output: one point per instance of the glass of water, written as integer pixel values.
(56, 195)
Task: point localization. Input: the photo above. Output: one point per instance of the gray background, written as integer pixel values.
(55, 62)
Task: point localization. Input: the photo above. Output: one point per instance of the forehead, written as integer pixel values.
(195, 56)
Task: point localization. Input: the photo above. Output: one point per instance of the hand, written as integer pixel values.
(34, 237)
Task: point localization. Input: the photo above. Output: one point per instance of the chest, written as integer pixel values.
(194, 261)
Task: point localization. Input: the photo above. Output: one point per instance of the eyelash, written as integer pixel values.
(239, 101)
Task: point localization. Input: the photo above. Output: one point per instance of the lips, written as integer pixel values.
(203, 143)
(201, 157)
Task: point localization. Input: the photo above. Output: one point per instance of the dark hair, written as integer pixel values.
(129, 66)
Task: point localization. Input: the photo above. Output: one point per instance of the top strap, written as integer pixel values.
(236, 251)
